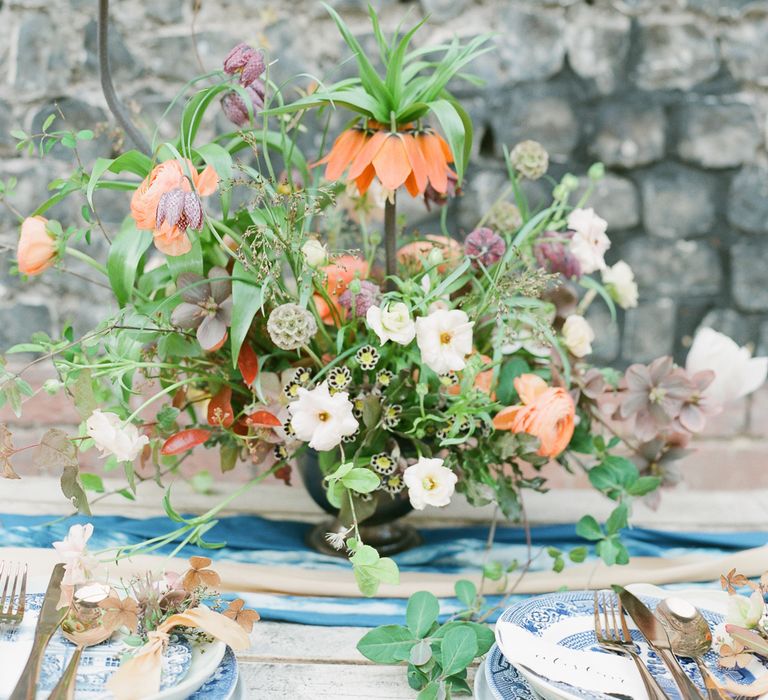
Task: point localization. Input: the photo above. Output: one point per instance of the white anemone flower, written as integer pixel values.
(444, 339)
(322, 419)
(737, 373)
(113, 436)
(429, 483)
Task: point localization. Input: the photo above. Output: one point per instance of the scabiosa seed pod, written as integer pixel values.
(554, 255)
(529, 159)
(484, 247)
(358, 303)
(234, 107)
(504, 216)
(290, 326)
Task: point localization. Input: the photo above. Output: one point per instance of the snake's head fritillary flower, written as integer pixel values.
(247, 61)
(484, 247)
(235, 108)
(37, 248)
(432, 196)
(553, 254)
(180, 209)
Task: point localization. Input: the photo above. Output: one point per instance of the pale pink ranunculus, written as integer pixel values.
(36, 250)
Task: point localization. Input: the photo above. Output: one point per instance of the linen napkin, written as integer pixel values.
(587, 670)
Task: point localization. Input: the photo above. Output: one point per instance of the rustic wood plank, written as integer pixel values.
(326, 681)
(284, 641)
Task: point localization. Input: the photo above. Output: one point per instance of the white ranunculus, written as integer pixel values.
(745, 612)
(315, 253)
(578, 335)
(322, 419)
(589, 241)
(429, 483)
(444, 339)
(114, 437)
(619, 280)
(737, 373)
(392, 322)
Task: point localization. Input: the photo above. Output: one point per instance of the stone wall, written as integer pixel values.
(671, 96)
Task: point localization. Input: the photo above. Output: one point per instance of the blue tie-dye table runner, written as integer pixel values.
(450, 550)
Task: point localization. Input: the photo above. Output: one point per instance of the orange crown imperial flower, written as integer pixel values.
(546, 412)
(415, 158)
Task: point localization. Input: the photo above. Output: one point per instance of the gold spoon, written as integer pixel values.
(690, 636)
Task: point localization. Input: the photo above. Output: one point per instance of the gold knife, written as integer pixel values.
(47, 623)
(657, 639)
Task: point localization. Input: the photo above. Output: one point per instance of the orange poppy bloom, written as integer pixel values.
(546, 412)
(403, 157)
(412, 255)
(167, 176)
(338, 276)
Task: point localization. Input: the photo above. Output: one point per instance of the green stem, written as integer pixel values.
(87, 259)
(390, 240)
(160, 394)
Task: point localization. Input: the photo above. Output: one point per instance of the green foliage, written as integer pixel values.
(438, 655)
(125, 255)
(370, 569)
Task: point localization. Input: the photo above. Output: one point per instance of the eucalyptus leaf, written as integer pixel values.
(388, 644)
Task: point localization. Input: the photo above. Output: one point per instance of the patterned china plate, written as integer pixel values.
(567, 619)
(186, 665)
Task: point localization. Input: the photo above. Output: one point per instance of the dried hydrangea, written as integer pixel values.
(530, 159)
(290, 326)
(504, 216)
(360, 296)
(484, 247)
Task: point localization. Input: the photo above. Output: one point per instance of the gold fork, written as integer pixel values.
(611, 637)
(12, 613)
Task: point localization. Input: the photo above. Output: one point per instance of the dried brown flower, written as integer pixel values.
(120, 613)
(199, 575)
(241, 615)
(734, 656)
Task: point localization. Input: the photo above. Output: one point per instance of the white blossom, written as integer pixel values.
(737, 373)
(322, 419)
(112, 436)
(578, 335)
(589, 241)
(619, 280)
(73, 550)
(444, 339)
(315, 253)
(429, 483)
(745, 612)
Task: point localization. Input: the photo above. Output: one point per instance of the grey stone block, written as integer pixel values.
(615, 199)
(537, 113)
(678, 202)
(744, 49)
(629, 133)
(532, 45)
(680, 268)
(7, 142)
(43, 63)
(676, 51)
(748, 200)
(19, 321)
(443, 10)
(748, 264)
(715, 134)
(605, 347)
(598, 44)
(649, 331)
(173, 57)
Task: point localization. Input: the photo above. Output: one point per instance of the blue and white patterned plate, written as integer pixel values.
(567, 619)
(182, 662)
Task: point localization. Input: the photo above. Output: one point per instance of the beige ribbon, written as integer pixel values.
(139, 676)
(292, 580)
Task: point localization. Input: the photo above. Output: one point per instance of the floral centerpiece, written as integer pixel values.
(452, 362)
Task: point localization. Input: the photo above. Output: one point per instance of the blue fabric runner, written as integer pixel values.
(257, 540)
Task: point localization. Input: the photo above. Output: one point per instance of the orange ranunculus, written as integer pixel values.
(37, 248)
(403, 157)
(167, 176)
(338, 276)
(412, 255)
(546, 412)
